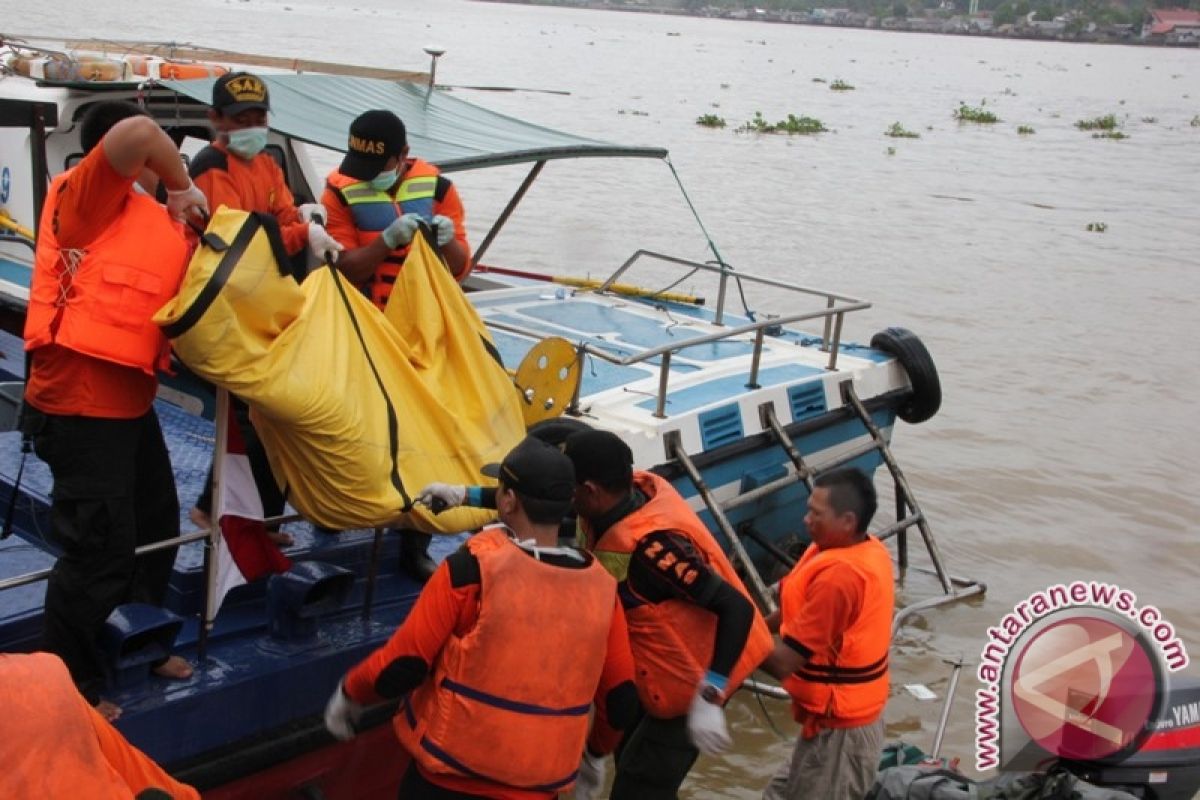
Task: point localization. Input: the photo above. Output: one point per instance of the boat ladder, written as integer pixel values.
(908, 512)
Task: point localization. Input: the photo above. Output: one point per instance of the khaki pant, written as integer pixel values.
(838, 764)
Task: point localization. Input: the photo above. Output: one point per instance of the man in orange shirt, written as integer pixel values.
(376, 201)
(499, 661)
(57, 746)
(835, 622)
(108, 256)
(234, 171)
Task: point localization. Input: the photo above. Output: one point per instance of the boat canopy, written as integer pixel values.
(451, 133)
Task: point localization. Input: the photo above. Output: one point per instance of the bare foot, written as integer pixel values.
(109, 710)
(281, 539)
(175, 668)
(201, 520)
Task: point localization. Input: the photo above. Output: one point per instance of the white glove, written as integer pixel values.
(322, 244)
(592, 772)
(445, 229)
(342, 715)
(311, 211)
(182, 203)
(440, 496)
(706, 723)
(401, 231)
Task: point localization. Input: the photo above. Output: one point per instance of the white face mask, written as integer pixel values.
(247, 142)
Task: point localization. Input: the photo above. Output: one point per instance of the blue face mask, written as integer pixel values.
(384, 180)
(248, 142)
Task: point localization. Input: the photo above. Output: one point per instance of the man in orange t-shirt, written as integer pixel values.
(507, 646)
(834, 620)
(107, 257)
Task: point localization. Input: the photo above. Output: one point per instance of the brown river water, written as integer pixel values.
(1064, 449)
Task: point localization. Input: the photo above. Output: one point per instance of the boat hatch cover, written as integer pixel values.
(451, 133)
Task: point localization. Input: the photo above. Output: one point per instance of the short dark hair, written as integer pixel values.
(100, 117)
(540, 510)
(850, 490)
(601, 457)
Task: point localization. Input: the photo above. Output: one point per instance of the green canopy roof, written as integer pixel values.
(449, 132)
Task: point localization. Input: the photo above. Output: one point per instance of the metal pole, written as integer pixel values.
(901, 533)
(434, 54)
(941, 729)
(660, 407)
(372, 573)
(507, 212)
(211, 559)
(754, 362)
(37, 147)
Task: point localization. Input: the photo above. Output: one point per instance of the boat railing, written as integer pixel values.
(833, 314)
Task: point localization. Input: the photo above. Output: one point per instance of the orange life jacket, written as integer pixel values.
(850, 683)
(51, 748)
(373, 210)
(672, 641)
(508, 703)
(99, 301)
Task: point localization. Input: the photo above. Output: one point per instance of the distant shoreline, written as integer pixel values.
(958, 25)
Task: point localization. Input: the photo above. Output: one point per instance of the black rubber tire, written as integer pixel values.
(926, 397)
(555, 431)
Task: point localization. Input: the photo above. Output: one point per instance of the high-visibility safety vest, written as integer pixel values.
(849, 683)
(99, 301)
(373, 210)
(508, 703)
(672, 641)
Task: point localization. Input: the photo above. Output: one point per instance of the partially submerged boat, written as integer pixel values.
(739, 410)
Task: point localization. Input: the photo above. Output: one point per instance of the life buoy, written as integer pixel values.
(926, 396)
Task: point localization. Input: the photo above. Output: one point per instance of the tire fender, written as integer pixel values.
(914, 358)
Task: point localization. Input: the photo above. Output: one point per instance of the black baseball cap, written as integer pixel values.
(375, 136)
(537, 470)
(234, 92)
(600, 456)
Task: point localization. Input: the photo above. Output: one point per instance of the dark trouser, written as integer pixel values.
(653, 759)
(113, 491)
(264, 479)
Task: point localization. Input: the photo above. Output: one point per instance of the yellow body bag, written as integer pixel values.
(357, 410)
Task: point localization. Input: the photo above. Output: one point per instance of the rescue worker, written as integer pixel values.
(376, 201)
(694, 631)
(235, 171)
(108, 257)
(835, 622)
(56, 746)
(504, 652)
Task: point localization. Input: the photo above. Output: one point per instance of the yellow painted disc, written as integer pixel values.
(546, 379)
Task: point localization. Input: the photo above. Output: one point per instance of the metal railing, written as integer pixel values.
(832, 314)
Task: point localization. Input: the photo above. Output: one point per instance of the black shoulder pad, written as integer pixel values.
(208, 158)
(443, 186)
(464, 568)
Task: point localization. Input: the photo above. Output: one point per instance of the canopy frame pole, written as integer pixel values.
(209, 613)
(508, 211)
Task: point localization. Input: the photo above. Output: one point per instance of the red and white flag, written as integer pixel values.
(243, 551)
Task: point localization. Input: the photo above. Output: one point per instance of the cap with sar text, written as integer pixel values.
(235, 92)
(375, 136)
(537, 470)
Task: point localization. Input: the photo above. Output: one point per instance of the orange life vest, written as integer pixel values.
(373, 210)
(99, 301)
(672, 641)
(508, 703)
(849, 683)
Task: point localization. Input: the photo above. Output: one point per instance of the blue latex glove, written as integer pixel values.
(401, 231)
(445, 229)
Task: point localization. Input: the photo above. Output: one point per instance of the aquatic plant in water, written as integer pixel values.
(966, 113)
(710, 121)
(1097, 227)
(1025, 129)
(898, 131)
(1110, 135)
(793, 125)
(1108, 122)
(840, 85)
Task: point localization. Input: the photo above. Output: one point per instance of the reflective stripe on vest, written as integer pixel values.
(416, 195)
(489, 712)
(850, 682)
(672, 641)
(100, 301)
